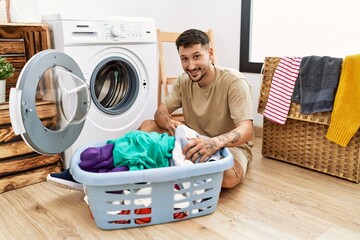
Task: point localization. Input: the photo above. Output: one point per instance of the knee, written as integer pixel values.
(151, 126)
(232, 176)
(147, 125)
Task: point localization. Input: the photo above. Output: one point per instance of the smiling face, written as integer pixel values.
(196, 62)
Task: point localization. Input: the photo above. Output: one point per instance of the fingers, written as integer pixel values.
(194, 151)
(172, 127)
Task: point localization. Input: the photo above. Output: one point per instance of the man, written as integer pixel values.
(216, 102)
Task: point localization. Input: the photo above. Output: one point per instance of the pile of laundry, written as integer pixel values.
(138, 150)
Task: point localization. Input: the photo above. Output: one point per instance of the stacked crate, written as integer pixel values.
(20, 166)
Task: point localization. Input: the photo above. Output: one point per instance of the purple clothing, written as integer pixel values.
(99, 159)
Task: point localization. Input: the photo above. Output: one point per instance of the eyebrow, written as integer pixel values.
(197, 52)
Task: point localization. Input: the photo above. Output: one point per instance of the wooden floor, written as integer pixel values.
(275, 201)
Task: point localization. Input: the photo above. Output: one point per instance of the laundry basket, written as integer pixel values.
(152, 196)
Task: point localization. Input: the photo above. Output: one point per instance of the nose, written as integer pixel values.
(191, 65)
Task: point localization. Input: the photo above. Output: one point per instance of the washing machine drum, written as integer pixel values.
(114, 85)
(49, 105)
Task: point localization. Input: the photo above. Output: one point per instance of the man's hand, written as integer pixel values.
(201, 147)
(172, 125)
(164, 121)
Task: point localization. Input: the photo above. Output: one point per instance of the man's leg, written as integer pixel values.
(151, 126)
(234, 175)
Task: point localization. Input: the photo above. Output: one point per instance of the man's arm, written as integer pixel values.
(163, 119)
(205, 147)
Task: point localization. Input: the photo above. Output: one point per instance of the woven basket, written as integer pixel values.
(301, 140)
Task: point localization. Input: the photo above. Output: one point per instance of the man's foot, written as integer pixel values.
(65, 180)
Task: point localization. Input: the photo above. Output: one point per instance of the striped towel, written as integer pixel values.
(281, 89)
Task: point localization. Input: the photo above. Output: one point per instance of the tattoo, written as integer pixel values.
(211, 146)
(236, 174)
(230, 137)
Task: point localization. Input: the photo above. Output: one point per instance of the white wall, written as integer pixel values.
(176, 15)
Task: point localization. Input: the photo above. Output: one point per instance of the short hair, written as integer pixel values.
(191, 37)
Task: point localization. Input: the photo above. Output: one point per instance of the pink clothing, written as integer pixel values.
(281, 89)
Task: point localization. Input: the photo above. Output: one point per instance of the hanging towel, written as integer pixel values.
(142, 150)
(316, 84)
(345, 117)
(281, 89)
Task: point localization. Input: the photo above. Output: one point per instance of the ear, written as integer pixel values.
(211, 53)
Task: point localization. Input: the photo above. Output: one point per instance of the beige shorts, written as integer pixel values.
(240, 157)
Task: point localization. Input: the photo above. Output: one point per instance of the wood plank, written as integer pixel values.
(27, 178)
(10, 32)
(14, 149)
(12, 47)
(44, 109)
(7, 133)
(30, 45)
(338, 233)
(25, 163)
(17, 61)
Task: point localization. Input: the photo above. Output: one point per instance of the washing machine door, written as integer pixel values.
(49, 105)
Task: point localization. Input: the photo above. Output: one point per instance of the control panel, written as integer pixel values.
(126, 32)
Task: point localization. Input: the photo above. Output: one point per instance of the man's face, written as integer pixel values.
(195, 61)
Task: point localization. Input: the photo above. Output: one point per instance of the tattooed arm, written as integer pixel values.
(241, 134)
(205, 147)
(163, 119)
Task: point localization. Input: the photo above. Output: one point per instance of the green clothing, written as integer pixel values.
(142, 150)
(217, 108)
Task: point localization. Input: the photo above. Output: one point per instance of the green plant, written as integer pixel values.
(6, 69)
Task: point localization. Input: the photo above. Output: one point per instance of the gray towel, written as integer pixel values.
(316, 84)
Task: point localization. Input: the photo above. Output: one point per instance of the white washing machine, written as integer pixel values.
(118, 59)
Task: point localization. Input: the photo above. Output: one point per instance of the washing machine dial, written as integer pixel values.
(115, 31)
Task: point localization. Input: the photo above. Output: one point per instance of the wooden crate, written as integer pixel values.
(18, 43)
(20, 166)
(301, 140)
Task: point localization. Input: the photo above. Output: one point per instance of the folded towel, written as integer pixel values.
(345, 117)
(281, 89)
(316, 84)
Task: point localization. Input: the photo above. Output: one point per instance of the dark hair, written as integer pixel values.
(191, 37)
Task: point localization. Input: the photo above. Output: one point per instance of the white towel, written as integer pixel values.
(281, 89)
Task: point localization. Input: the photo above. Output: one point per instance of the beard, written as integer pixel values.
(197, 77)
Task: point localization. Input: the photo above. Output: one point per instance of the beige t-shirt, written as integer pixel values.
(215, 109)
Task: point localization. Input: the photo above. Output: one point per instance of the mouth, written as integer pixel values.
(194, 72)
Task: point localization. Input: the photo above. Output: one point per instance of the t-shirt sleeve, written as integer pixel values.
(173, 100)
(240, 101)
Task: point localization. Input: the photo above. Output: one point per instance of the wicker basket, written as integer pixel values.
(302, 141)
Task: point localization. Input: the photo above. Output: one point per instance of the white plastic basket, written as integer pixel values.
(139, 198)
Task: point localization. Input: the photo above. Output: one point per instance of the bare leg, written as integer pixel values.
(232, 176)
(151, 126)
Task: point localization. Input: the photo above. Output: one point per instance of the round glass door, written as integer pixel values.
(65, 96)
(51, 100)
